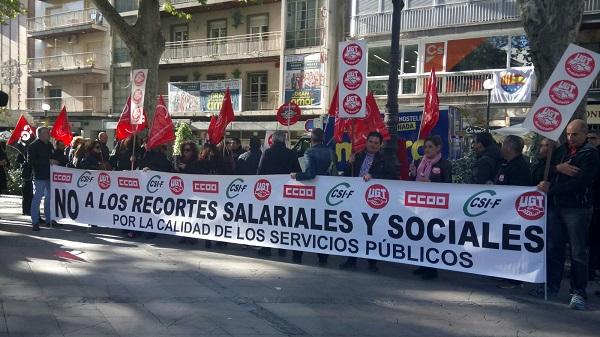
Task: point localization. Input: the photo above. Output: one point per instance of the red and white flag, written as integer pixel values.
(162, 130)
(431, 112)
(61, 130)
(22, 133)
(124, 126)
(216, 128)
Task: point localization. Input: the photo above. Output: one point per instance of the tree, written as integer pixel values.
(551, 26)
(183, 133)
(9, 9)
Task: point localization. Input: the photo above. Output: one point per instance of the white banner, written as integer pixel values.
(481, 229)
(513, 85)
(138, 91)
(568, 84)
(352, 79)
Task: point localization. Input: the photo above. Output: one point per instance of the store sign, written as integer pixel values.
(352, 65)
(203, 96)
(593, 113)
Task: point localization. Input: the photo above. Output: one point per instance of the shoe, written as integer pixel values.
(264, 251)
(42, 221)
(347, 265)
(419, 271)
(35, 228)
(577, 302)
(510, 284)
(373, 268)
(53, 223)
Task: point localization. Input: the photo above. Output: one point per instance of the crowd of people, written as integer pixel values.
(572, 186)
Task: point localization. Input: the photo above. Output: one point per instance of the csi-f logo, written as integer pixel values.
(206, 186)
(176, 185)
(530, 205)
(85, 178)
(262, 189)
(426, 199)
(103, 180)
(236, 187)
(299, 192)
(58, 177)
(377, 196)
(128, 182)
(480, 203)
(154, 184)
(338, 194)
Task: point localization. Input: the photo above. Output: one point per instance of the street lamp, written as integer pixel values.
(46, 108)
(488, 85)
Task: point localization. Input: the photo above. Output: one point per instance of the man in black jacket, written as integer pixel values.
(539, 165)
(514, 170)
(277, 159)
(247, 162)
(369, 164)
(39, 155)
(570, 211)
(487, 159)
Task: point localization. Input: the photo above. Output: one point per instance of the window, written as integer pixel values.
(378, 61)
(477, 54)
(303, 24)
(55, 99)
(121, 88)
(258, 24)
(258, 94)
(217, 30)
(179, 33)
(215, 77)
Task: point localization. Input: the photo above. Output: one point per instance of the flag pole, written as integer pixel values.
(352, 146)
(289, 140)
(134, 143)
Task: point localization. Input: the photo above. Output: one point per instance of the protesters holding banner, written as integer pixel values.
(431, 168)
(188, 154)
(70, 151)
(277, 159)
(59, 153)
(487, 159)
(593, 138)
(234, 147)
(539, 165)
(570, 211)
(247, 162)
(369, 164)
(156, 160)
(39, 155)
(227, 159)
(92, 156)
(103, 139)
(320, 161)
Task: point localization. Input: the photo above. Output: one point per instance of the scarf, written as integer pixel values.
(424, 169)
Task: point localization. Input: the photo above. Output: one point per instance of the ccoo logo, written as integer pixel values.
(377, 196)
(58, 177)
(299, 192)
(531, 205)
(176, 185)
(205, 186)
(85, 178)
(154, 184)
(262, 189)
(103, 180)
(338, 194)
(236, 187)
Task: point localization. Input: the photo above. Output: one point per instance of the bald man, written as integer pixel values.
(102, 139)
(575, 165)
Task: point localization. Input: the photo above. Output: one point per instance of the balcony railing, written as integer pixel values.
(74, 104)
(69, 62)
(231, 47)
(261, 101)
(447, 15)
(90, 16)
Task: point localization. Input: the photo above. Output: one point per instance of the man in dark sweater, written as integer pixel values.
(514, 169)
(39, 156)
(487, 159)
(247, 162)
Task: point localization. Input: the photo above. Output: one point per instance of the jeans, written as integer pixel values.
(41, 188)
(568, 225)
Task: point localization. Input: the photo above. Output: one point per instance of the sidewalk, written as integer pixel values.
(73, 281)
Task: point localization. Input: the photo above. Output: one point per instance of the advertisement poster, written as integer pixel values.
(203, 96)
(304, 78)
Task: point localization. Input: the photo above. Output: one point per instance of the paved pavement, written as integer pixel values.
(73, 281)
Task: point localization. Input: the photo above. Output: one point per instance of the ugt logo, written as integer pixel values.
(103, 180)
(377, 196)
(262, 189)
(176, 185)
(85, 178)
(531, 205)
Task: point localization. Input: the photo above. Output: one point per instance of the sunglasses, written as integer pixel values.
(187, 150)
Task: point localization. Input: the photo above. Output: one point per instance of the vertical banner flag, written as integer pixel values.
(431, 111)
(138, 91)
(352, 65)
(162, 130)
(61, 130)
(216, 128)
(124, 126)
(513, 85)
(22, 133)
(570, 80)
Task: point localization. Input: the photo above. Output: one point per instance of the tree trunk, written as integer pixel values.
(551, 26)
(391, 113)
(144, 40)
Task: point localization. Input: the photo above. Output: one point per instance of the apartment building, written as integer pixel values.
(267, 53)
(465, 41)
(70, 63)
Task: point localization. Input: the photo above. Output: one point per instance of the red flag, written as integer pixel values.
(216, 129)
(22, 133)
(342, 125)
(431, 112)
(61, 130)
(162, 130)
(124, 127)
(363, 126)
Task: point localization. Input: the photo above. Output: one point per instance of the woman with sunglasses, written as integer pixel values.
(91, 156)
(188, 155)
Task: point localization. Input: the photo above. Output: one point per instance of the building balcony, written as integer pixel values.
(476, 12)
(71, 64)
(249, 46)
(88, 106)
(67, 23)
(255, 101)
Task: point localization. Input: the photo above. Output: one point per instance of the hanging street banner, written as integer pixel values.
(203, 96)
(568, 84)
(138, 91)
(352, 79)
(481, 229)
(513, 85)
(304, 79)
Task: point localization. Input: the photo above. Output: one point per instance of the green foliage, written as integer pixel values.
(183, 132)
(462, 172)
(14, 181)
(9, 9)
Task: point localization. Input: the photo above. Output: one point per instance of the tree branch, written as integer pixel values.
(116, 21)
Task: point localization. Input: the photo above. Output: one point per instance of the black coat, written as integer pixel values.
(39, 155)
(247, 163)
(379, 169)
(485, 167)
(441, 172)
(575, 192)
(278, 160)
(515, 172)
(156, 161)
(60, 157)
(90, 161)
